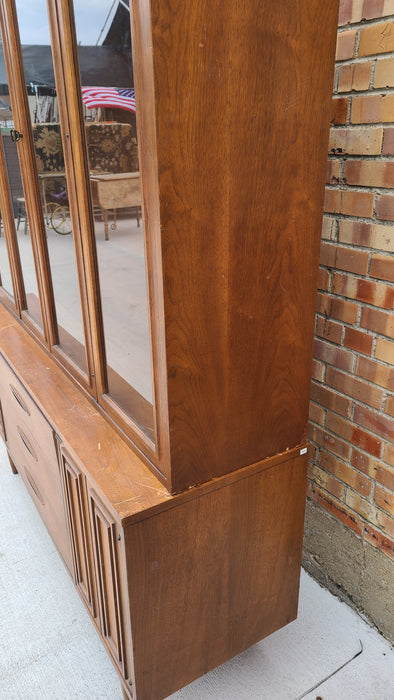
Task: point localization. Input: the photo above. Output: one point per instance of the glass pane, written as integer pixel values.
(5, 272)
(44, 114)
(104, 51)
(32, 304)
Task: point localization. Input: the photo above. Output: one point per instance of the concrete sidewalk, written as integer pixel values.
(49, 648)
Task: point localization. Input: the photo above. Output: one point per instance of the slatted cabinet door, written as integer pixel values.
(77, 514)
(106, 558)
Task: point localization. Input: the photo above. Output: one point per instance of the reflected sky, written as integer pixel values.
(90, 17)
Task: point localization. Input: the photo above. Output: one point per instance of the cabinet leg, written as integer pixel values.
(13, 467)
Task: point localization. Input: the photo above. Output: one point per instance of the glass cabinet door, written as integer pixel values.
(52, 179)
(50, 190)
(107, 90)
(30, 302)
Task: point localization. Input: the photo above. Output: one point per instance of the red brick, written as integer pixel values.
(384, 73)
(346, 42)
(384, 351)
(323, 302)
(385, 476)
(354, 388)
(352, 260)
(339, 510)
(372, 109)
(377, 539)
(333, 172)
(385, 522)
(378, 321)
(329, 442)
(384, 499)
(324, 280)
(327, 481)
(376, 39)
(361, 506)
(340, 108)
(375, 422)
(329, 228)
(339, 357)
(330, 399)
(354, 76)
(350, 11)
(329, 330)
(373, 9)
(390, 406)
(388, 141)
(374, 293)
(385, 207)
(317, 414)
(357, 203)
(382, 267)
(312, 452)
(360, 233)
(373, 468)
(332, 201)
(349, 202)
(388, 455)
(356, 141)
(345, 473)
(375, 372)
(328, 253)
(343, 310)
(359, 341)
(369, 173)
(318, 370)
(352, 433)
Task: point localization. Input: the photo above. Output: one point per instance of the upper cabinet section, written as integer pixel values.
(171, 181)
(236, 100)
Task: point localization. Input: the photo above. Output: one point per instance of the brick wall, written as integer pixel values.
(352, 404)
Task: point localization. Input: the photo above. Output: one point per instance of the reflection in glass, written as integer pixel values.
(18, 203)
(104, 51)
(5, 272)
(44, 114)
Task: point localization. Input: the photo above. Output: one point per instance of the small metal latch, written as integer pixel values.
(15, 135)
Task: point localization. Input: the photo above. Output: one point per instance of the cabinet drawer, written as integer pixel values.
(17, 402)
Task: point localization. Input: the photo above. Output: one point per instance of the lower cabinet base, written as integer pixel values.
(175, 584)
(212, 576)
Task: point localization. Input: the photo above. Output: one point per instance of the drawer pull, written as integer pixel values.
(26, 443)
(34, 486)
(19, 399)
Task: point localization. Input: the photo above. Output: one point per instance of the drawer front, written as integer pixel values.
(43, 483)
(31, 445)
(17, 401)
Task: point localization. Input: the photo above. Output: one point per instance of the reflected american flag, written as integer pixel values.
(115, 98)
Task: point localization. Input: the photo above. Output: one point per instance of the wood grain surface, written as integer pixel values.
(242, 97)
(210, 578)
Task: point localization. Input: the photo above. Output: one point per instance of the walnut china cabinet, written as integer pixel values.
(160, 217)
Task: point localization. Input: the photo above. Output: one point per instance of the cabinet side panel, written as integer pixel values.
(243, 94)
(211, 577)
